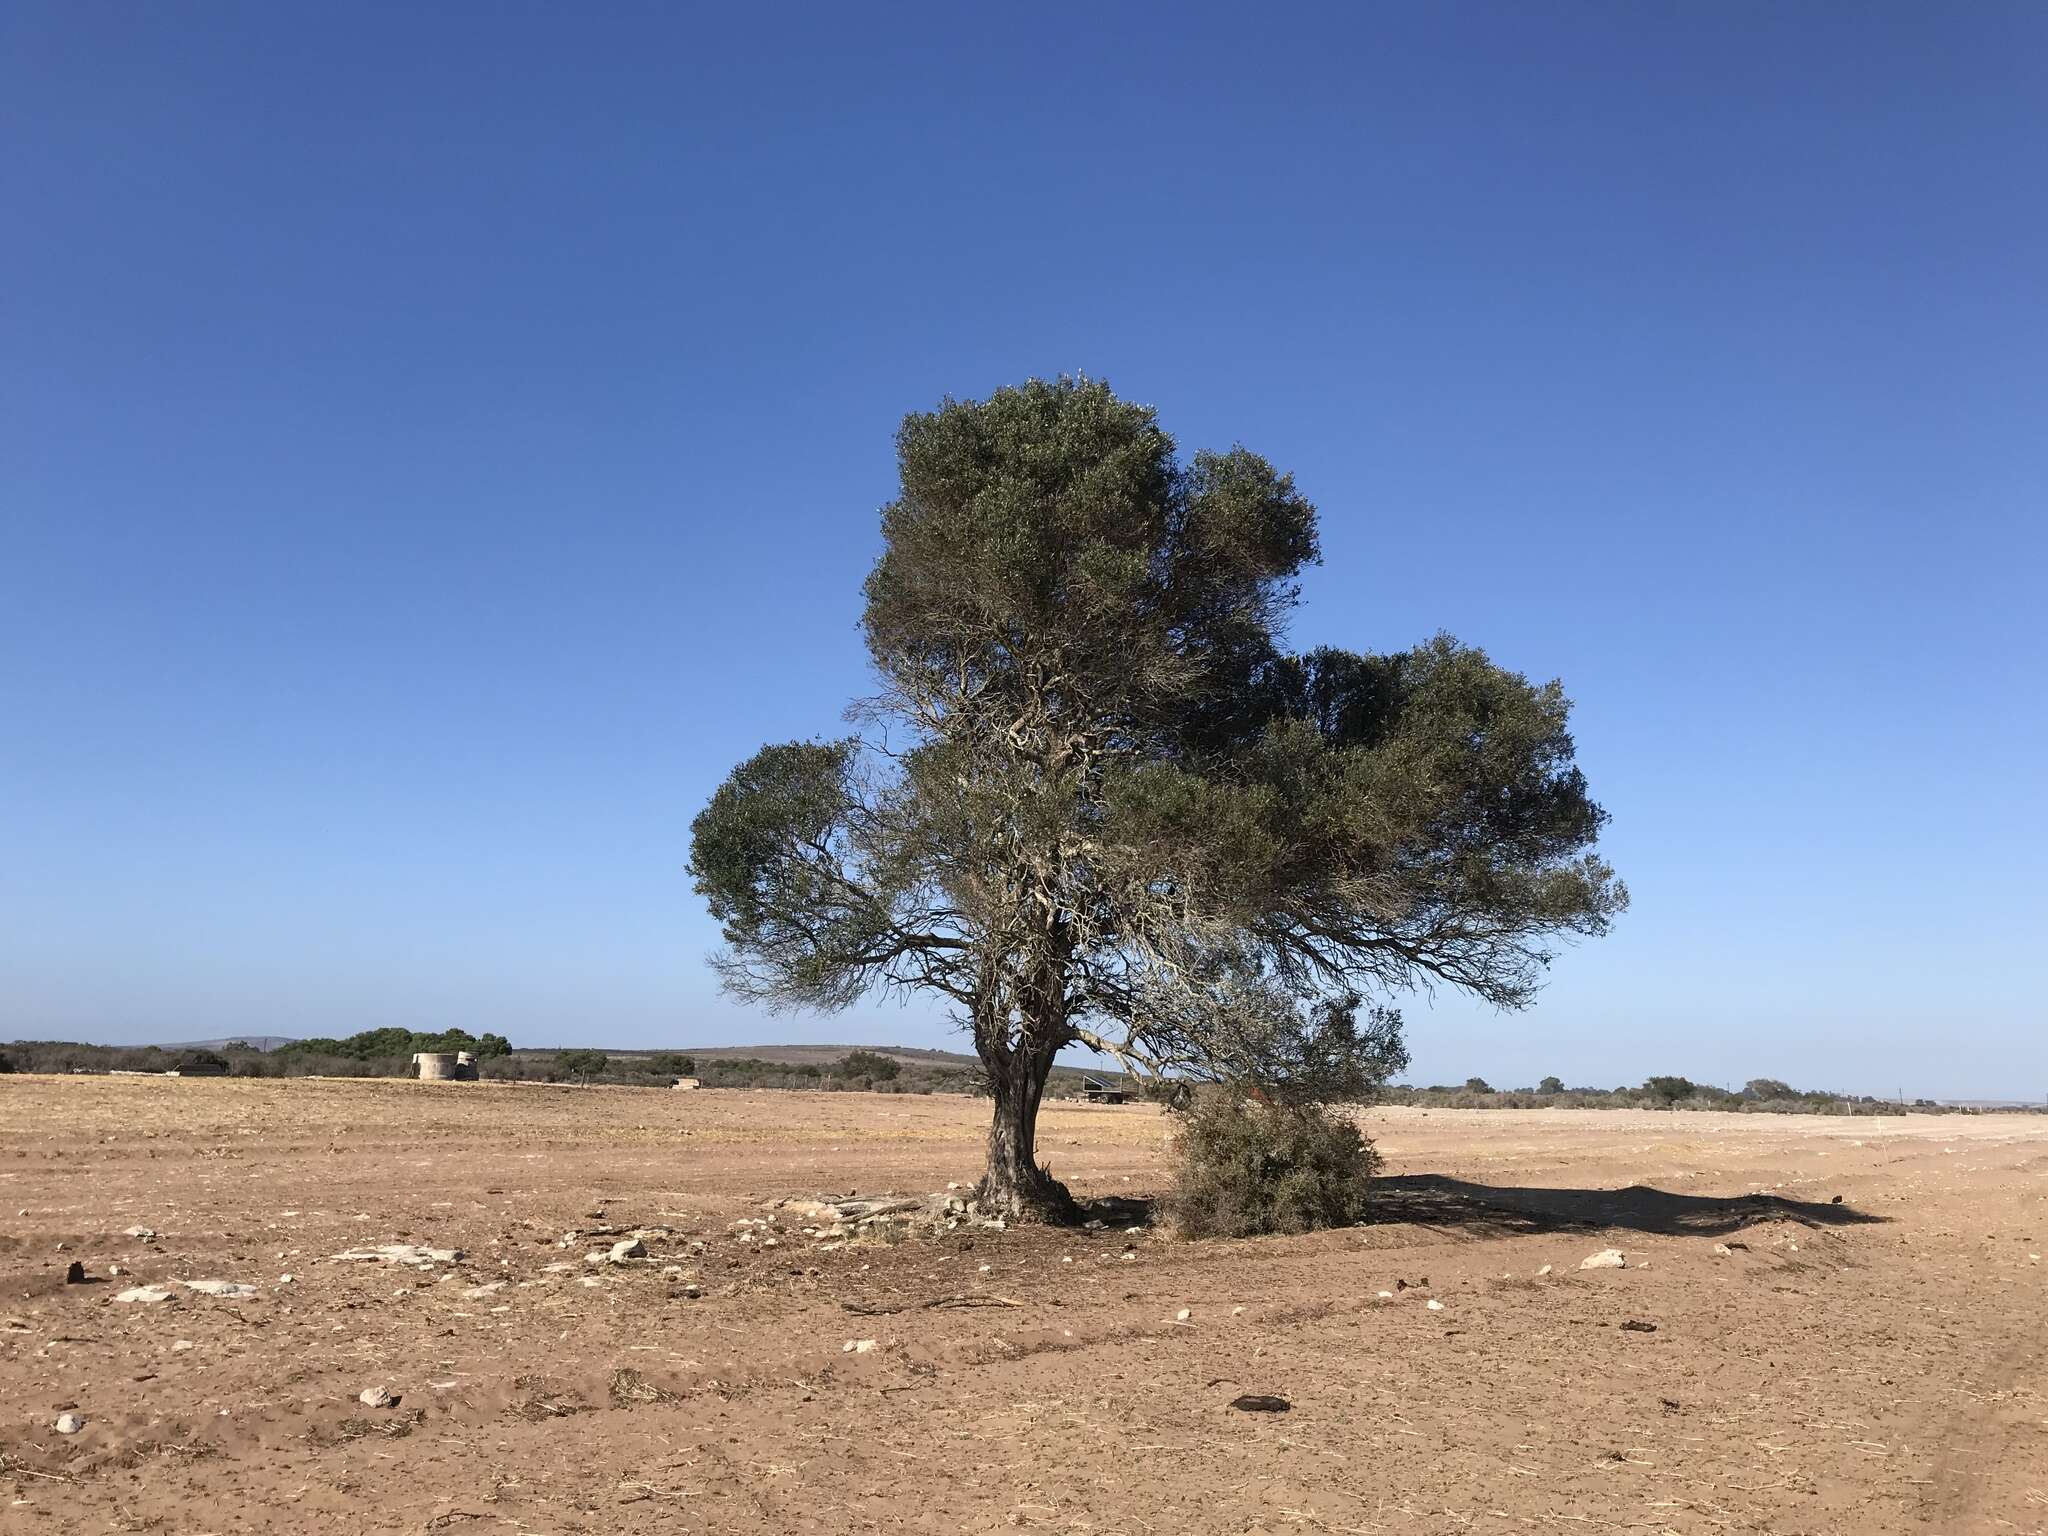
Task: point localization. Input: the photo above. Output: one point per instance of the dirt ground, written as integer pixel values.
(1871, 1366)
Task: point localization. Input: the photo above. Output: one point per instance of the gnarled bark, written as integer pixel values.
(1015, 1185)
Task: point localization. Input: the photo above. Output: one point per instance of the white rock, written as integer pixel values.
(376, 1397)
(234, 1290)
(179, 1346)
(479, 1292)
(115, 1269)
(405, 1253)
(70, 1423)
(286, 1279)
(1386, 1295)
(144, 1293)
(1435, 1305)
(627, 1248)
(1606, 1258)
(1544, 1270)
(858, 1347)
(1182, 1315)
(142, 1232)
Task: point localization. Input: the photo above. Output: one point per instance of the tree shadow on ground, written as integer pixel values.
(1487, 1210)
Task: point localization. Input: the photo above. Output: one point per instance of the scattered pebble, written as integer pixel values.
(1183, 1315)
(144, 1293)
(1435, 1305)
(377, 1397)
(1606, 1258)
(858, 1347)
(70, 1423)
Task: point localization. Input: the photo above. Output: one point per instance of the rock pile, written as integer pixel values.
(833, 1223)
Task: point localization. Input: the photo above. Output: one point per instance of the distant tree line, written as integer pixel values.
(1760, 1095)
(388, 1053)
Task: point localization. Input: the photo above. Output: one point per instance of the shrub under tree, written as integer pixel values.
(1248, 1167)
(1114, 811)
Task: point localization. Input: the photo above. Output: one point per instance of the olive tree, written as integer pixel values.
(1095, 802)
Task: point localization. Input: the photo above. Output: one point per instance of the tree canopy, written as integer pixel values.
(1099, 804)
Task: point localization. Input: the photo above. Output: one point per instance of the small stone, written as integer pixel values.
(1182, 1315)
(286, 1279)
(1435, 1305)
(74, 1273)
(377, 1397)
(858, 1347)
(179, 1346)
(1606, 1258)
(627, 1248)
(1544, 1270)
(115, 1269)
(142, 1232)
(1386, 1295)
(144, 1293)
(70, 1423)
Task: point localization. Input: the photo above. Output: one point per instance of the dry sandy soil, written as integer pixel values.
(1870, 1366)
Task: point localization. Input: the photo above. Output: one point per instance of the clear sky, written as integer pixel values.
(436, 444)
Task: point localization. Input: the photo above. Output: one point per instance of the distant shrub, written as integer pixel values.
(1551, 1085)
(5, 1064)
(872, 1065)
(1477, 1085)
(1667, 1091)
(669, 1064)
(1246, 1168)
(583, 1065)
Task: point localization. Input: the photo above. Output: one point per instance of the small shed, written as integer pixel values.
(1100, 1090)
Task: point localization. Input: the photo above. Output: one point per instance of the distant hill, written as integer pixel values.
(254, 1042)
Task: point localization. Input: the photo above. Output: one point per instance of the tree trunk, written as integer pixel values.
(1015, 1185)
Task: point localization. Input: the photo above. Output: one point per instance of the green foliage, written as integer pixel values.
(1477, 1085)
(582, 1065)
(201, 1061)
(1551, 1085)
(1768, 1088)
(1669, 1090)
(669, 1064)
(392, 1043)
(872, 1066)
(6, 1063)
(1246, 1168)
(1115, 812)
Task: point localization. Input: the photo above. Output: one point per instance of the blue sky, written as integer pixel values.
(436, 444)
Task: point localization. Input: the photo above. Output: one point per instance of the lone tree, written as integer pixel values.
(1100, 805)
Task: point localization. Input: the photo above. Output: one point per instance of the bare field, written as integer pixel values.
(1871, 1366)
